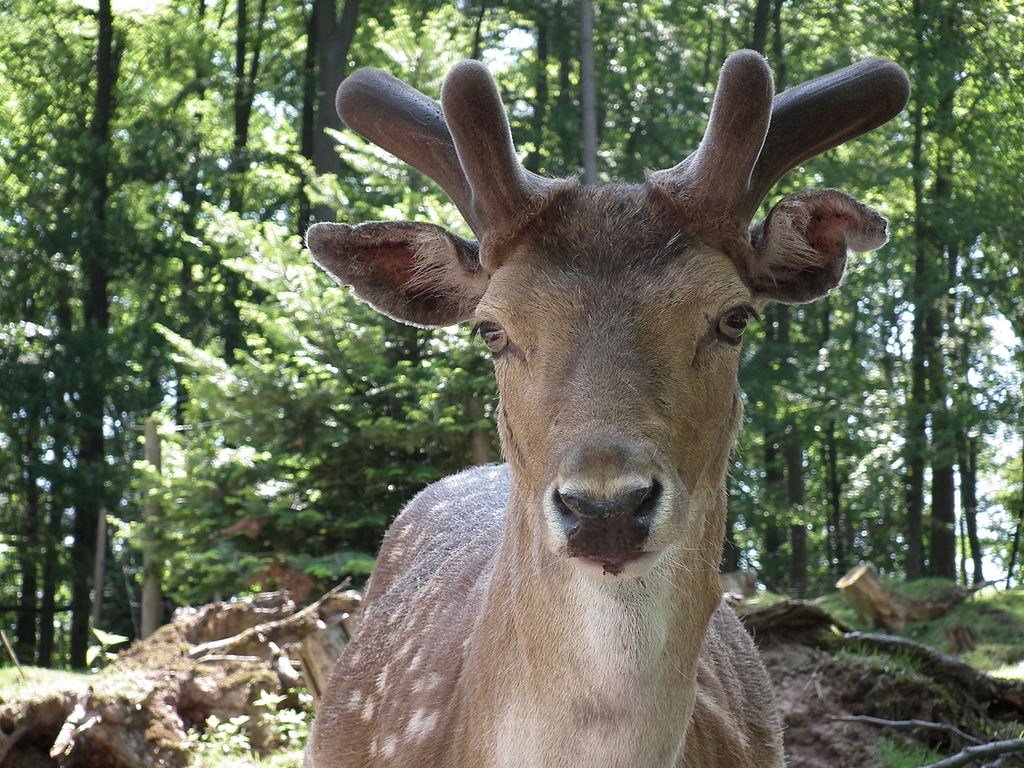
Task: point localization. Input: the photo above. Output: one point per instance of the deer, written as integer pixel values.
(563, 609)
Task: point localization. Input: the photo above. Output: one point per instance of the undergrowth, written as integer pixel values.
(997, 615)
(899, 754)
(226, 743)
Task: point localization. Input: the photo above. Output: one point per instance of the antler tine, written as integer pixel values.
(502, 191)
(716, 175)
(824, 113)
(409, 125)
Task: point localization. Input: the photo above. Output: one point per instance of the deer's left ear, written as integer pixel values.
(800, 247)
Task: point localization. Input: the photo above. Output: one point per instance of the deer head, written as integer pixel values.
(614, 314)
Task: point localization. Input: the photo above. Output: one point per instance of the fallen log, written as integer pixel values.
(334, 607)
(137, 713)
(1003, 696)
(790, 621)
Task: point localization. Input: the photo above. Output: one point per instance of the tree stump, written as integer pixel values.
(874, 602)
(740, 583)
(879, 606)
(961, 638)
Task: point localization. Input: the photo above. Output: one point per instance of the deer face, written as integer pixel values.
(613, 314)
(615, 339)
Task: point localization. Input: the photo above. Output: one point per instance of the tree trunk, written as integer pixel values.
(1019, 530)
(566, 128)
(835, 526)
(478, 32)
(969, 500)
(307, 127)
(57, 478)
(779, 65)
(731, 550)
(479, 439)
(588, 92)
(334, 39)
(99, 572)
(48, 604)
(794, 455)
(152, 565)
(774, 477)
(28, 558)
(941, 314)
(917, 405)
(96, 257)
(759, 35)
(540, 94)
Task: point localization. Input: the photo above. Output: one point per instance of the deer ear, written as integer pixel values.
(418, 274)
(800, 247)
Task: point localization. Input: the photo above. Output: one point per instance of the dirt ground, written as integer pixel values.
(814, 688)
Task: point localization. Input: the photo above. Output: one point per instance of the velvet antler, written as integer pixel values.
(752, 141)
(409, 125)
(715, 178)
(818, 115)
(464, 144)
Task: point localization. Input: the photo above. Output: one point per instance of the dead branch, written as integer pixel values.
(925, 724)
(972, 754)
(78, 722)
(331, 608)
(12, 654)
(788, 621)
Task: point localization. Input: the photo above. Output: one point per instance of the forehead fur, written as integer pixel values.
(625, 236)
(595, 228)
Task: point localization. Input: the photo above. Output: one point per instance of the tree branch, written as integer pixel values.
(973, 754)
(906, 724)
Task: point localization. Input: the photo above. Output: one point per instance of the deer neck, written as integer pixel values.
(591, 671)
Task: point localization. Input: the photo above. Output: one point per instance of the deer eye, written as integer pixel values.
(493, 336)
(732, 324)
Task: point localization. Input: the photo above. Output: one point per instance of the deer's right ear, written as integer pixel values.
(418, 274)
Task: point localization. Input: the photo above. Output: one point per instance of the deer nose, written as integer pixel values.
(578, 506)
(607, 530)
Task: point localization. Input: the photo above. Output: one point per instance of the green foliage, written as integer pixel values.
(101, 652)
(227, 742)
(295, 422)
(893, 753)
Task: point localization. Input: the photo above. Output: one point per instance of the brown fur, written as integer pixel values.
(486, 639)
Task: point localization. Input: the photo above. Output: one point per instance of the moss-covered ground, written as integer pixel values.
(996, 614)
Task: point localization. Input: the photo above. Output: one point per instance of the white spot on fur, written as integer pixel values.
(421, 724)
(368, 710)
(426, 684)
(355, 699)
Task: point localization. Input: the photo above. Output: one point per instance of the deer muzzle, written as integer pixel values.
(610, 532)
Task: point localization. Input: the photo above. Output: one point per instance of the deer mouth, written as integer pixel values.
(632, 566)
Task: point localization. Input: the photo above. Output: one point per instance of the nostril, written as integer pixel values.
(638, 502)
(644, 512)
(569, 518)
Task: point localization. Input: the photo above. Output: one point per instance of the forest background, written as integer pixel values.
(160, 161)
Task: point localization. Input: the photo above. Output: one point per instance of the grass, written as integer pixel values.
(997, 615)
(292, 759)
(39, 684)
(898, 754)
